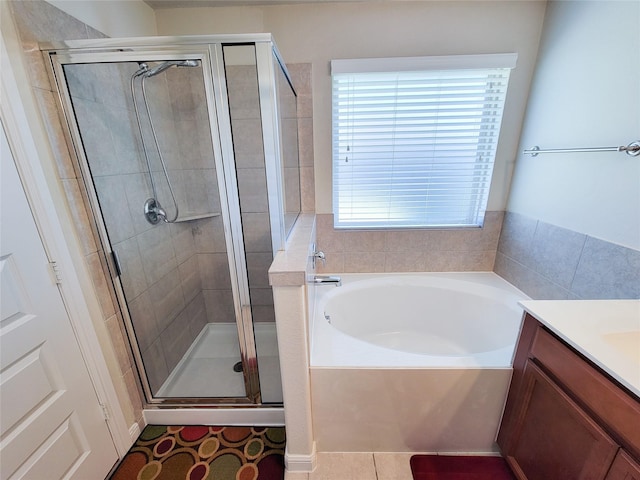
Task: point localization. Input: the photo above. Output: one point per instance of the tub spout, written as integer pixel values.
(325, 279)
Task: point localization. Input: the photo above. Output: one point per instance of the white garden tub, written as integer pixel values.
(406, 362)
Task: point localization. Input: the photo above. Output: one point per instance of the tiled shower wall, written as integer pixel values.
(301, 78)
(160, 267)
(549, 262)
(244, 108)
(38, 21)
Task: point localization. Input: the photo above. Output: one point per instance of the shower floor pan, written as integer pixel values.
(206, 369)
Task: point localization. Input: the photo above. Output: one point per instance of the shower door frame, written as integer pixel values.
(207, 49)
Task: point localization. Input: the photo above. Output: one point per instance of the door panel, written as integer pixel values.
(51, 423)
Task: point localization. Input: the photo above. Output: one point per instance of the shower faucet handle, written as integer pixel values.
(318, 255)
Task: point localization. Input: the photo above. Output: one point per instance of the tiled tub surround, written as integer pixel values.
(313, 392)
(552, 263)
(427, 250)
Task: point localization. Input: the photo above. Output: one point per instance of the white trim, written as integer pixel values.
(134, 432)
(300, 463)
(407, 64)
(35, 164)
(266, 417)
(157, 41)
(271, 140)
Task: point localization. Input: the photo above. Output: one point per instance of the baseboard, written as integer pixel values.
(266, 417)
(134, 432)
(300, 463)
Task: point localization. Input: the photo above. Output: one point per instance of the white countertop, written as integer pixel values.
(607, 332)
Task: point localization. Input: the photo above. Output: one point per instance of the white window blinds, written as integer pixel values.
(414, 146)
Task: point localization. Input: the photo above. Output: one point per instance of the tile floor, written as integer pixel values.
(358, 466)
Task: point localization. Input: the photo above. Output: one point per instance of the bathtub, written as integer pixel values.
(406, 320)
(412, 363)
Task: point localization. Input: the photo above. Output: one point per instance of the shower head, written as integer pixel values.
(163, 66)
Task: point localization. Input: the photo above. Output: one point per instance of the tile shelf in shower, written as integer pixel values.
(196, 216)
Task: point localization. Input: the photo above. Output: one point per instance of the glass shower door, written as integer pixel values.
(262, 107)
(251, 170)
(145, 130)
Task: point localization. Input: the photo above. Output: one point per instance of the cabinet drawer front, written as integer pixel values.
(591, 388)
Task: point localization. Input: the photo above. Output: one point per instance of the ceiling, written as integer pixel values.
(160, 4)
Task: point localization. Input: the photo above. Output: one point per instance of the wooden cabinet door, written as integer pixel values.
(624, 468)
(552, 438)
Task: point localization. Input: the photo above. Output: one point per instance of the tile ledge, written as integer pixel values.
(289, 266)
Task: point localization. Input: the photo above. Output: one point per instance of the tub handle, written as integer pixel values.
(319, 255)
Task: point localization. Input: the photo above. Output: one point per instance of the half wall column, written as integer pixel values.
(288, 275)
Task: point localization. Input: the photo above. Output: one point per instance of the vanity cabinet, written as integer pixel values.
(565, 418)
(624, 468)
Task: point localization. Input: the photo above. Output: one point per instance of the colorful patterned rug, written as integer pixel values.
(205, 453)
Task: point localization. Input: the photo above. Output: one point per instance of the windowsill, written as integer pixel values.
(400, 229)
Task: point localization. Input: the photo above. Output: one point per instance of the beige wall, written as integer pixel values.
(585, 93)
(318, 33)
(115, 18)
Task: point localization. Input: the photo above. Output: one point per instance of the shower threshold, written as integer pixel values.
(207, 368)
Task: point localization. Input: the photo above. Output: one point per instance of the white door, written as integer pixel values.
(51, 423)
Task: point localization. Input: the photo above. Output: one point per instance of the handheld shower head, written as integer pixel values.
(189, 63)
(163, 66)
(152, 209)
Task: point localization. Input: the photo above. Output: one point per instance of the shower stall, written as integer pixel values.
(188, 151)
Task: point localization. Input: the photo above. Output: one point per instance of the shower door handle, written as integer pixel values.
(116, 263)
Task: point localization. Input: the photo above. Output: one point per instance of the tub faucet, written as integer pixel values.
(327, 280)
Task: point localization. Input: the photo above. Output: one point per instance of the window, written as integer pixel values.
(414, 139)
